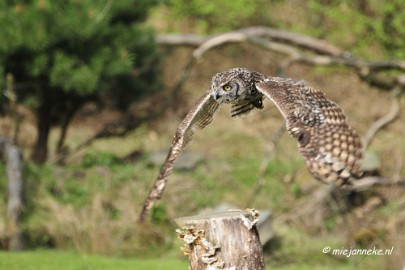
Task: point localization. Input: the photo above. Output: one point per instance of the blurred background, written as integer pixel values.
(92, 92)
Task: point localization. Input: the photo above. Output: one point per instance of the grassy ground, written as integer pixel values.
(50, 260)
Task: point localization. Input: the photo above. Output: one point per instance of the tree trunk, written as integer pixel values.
(63, 132)
(40, 152)
(226, 240)
(73, 106)
(15, 185)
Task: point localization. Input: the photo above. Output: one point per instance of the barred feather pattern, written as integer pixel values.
(332, 150)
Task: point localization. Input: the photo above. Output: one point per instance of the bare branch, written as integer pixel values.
(367, 182)
(278, 40)
(181, 39)
(300, 40)
(307, 42)
(218, 41)
(385, 120)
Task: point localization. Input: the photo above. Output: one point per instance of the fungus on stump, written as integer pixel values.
(227, 240)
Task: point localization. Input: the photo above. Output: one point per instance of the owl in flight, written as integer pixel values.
(331, 148)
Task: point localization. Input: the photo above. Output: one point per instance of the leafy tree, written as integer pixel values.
(65, 53)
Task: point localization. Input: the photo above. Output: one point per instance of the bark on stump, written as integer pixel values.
(226, 240)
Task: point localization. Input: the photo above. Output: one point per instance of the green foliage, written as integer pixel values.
(45, 179)
(64, 53)
(91, 159)
(368, 28)
(159, 215)
(364, 27)
(218, 15)
(74, 45)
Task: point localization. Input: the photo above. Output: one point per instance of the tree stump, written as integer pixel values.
(227, 240)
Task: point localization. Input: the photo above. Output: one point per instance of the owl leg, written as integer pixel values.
(258, 103)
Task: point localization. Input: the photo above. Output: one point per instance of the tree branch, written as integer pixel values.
(289, 43)
(385, 120)
(369, 181)
(307, 42)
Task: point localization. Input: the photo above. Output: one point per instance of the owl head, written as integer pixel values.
(234, 85)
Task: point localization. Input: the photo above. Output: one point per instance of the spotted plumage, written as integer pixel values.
(331, 148)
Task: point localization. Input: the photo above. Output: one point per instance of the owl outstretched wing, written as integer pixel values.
(200, 115)
(331, 148)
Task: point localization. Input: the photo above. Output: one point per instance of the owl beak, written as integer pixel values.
(218, 97)
(223, 97)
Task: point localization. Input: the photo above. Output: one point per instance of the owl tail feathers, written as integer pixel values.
(243, 107)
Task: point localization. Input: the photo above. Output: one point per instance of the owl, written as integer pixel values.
(330, 147)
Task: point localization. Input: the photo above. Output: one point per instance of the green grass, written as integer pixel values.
(49, 260)
(63, 260)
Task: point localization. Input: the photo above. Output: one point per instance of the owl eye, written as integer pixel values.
(227, 87)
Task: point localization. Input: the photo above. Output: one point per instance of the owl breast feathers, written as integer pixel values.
(330, 147)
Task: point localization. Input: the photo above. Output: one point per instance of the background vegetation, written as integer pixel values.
(60, 57)
(64, 54)
(366, 28)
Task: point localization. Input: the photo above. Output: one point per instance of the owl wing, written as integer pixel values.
(200, 115)
(331, 149)
(284, 93)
